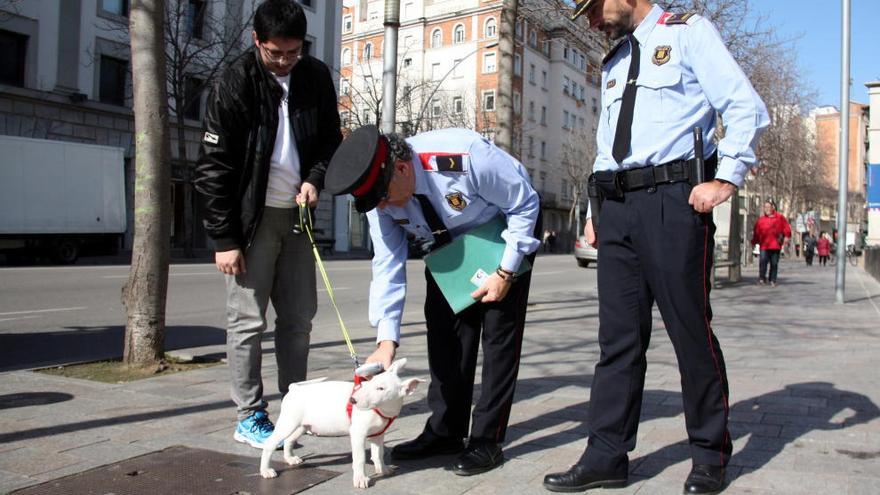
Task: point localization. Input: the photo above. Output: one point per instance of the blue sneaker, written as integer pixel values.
(254, 430)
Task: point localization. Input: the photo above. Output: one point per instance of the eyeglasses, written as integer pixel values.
(277, 56)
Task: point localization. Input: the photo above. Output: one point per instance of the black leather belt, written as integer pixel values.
(651, 176)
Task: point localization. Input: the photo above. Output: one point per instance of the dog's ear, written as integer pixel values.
(398, 365)
(407, 387)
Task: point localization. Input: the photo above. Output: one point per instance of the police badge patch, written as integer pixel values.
(661, 54)
(456, 201)
(611, 83)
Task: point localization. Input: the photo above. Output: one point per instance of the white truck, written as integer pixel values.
(58, 198)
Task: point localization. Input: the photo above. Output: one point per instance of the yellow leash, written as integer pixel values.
(305, 224)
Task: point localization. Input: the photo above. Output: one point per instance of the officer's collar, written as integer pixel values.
(643, 30)
(419, 173)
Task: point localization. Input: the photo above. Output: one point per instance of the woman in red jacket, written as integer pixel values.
(772, 233)
(823, 248)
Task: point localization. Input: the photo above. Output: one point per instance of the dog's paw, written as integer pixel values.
(293, 460)
(268, 473)
(361, 481)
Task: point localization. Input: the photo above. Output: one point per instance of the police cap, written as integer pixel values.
(581, 8)
(360, 167)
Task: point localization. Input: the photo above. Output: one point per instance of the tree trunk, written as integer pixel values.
(504, 112)
(144, 293)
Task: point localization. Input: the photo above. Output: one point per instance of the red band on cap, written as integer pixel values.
(378, 159)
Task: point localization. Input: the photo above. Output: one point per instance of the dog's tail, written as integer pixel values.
(307, 382)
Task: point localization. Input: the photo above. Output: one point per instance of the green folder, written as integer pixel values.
(462, 266)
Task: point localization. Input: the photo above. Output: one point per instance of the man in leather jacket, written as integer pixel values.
(271, 127)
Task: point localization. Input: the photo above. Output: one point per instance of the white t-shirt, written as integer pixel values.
(284, 169)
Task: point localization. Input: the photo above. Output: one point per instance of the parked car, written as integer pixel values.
(584, 253)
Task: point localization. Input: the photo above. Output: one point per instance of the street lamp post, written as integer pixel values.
(430, 97)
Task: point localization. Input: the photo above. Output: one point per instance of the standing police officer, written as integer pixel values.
(669, 74)
(435, 187)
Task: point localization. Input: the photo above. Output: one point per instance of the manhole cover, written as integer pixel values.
(182, 470)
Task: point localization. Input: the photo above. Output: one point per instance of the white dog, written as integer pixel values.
(335, 409)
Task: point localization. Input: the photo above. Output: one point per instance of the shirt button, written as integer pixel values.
(652, 190)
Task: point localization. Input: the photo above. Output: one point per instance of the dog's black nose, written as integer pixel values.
(352, 400)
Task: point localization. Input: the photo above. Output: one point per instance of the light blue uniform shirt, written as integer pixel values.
(483, 182)
(686, 74)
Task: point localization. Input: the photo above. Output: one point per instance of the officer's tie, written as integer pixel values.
(438, 228)
(623, 134)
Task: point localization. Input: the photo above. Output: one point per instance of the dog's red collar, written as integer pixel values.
(348, 408)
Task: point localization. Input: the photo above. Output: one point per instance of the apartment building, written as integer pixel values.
(448, 77)
(66, 75)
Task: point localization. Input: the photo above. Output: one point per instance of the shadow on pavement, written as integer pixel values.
(79, 344)
(780, 418)
(27, 399)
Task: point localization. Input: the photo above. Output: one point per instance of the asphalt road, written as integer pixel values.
(56, 315)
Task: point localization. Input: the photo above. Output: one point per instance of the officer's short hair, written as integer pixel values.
(280, 19)
(398, 148)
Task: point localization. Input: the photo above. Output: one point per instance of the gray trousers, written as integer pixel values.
(280, 267)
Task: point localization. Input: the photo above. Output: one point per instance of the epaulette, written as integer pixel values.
(614, 50)
(670, 19)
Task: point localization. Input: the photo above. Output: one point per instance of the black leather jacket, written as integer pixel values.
(232, 172)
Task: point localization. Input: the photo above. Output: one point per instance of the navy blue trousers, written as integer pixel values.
(653, 247)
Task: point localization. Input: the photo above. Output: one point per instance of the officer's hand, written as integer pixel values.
(384, 353)
(307, 194)
(710, 194)
(590, 234)
(230, 262)
(493, 290)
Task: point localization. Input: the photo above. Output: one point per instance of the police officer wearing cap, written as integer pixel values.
(435, 187)
(663, 85)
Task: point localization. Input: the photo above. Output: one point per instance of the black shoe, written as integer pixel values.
(579, 478)
(426, 445)
(705, 478)
(478, 459)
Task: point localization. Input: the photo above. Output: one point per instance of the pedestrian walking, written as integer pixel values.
(662, 86)
(772, 233)
(823, 248)
(271, 127)
(809, 248)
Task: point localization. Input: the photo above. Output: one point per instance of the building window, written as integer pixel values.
(565, 119)
(533, 38)
(118, 7)
(346, 24)
(532, 111)
(489, 62)
(531, 146)
(344, 87)
(456, 68)
(112, 81)
(407, 62)
(543, 149)
(544, 79)
(532, 73)
(517, 102)
(195, 18)
(368, 52)
(344, 118)
(458, 36)
(565, 82)
(519, 29)
(490, 30)
(346, 57)
(193, 98)
(489, 100)
(436, 38)
(457, 105)
(13, 48)
(543, 115)
(517, 65)
(435, 72)
(436, 109)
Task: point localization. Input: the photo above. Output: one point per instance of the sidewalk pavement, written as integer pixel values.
(803, 379)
